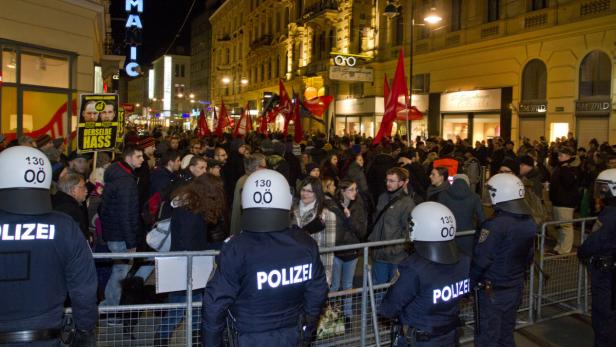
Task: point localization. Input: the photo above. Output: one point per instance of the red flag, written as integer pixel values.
(284, 104)
(263, 124)
(244, 124)
(392, 104)
(387, 127)
(411, 113)
(297, 121)
(223, 119)
(203, 128)
(318, 105)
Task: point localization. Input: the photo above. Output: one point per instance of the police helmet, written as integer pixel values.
(25, 178)
(433, 233)
(605, 185)
(266, 202)
(507, 193)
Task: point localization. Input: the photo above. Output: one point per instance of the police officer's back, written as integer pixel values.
(432, 281)
(599, 252)
(43, 257)
(501, 258)
(269, 276)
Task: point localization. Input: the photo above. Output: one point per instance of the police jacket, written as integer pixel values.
(120, 206)
(426, 295)
(504, 250)
(602, 241)
(392, 225)
(266, 281)
(42, 258)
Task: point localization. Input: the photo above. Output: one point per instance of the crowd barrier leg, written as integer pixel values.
(375, 324)
(580, 282)
(541, 278)
(364, 297)
(531, 289)
(189, 310)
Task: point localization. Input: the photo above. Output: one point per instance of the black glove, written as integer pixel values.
(84, 338)
(309, 329)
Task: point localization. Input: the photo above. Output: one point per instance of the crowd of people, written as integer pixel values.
(345, 190)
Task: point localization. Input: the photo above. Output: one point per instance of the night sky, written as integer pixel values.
(161, 21)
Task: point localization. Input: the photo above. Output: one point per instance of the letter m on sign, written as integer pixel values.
(134, 3)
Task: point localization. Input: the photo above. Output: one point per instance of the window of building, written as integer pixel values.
(269, 70)
(456, 15)
(262, 73)
(36, 87)
(331, 40)
(538, 4)
(322, 47)
(421, 83)
(176, 69)
(356, 89)
(398, 29)
(277, 71)
(182, 70)
(534, 80)
(595, 74)
(493, 10)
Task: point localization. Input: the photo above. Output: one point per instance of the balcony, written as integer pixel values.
(319, 13)
(263, 41)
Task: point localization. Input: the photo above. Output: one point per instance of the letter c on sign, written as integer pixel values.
(131, 69)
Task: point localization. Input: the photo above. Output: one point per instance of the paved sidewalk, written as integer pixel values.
(568, 331)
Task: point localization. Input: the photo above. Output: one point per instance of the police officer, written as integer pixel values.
(432, 281)
(43, 256)
(269, 279)
(503, 253)
(599, 252)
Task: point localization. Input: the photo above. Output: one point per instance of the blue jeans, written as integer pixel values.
(119, 270)
(383, 272)
(343, 271)
(174, 316)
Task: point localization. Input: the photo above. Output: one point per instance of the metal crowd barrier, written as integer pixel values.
(562, 287)
(139, 323)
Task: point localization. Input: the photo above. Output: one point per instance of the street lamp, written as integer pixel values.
(431, 18)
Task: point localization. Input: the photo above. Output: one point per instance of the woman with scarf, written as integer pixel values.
(310, 214)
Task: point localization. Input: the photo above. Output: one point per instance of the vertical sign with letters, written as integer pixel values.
(133, 35)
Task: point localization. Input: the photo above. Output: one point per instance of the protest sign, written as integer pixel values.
(97, 122)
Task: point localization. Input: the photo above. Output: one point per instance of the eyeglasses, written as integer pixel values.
(505, 171)
(392, 181)
(307, 191)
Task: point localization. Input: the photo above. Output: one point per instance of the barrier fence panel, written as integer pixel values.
(138, 325)
(562, 287)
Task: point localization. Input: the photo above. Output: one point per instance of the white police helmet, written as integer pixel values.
(433, 233)
(605, 184)
(266, 202)
(25, 178)
(507, 193)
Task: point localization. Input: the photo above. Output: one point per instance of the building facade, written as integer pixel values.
(52, 50)
(511, 69)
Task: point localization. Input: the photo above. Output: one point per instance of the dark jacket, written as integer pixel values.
(143, 173)
(377, 173)
(351, 230)
(464, 204)
(433, 192)
(188, 231)
(120, 207)
(161, 180)
(356, 173)
(63, 202)
(392, 225)
(535, 180)
(564, 184)
(418, 178)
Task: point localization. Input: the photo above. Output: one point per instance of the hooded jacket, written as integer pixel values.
(464, 204)
(120, 207)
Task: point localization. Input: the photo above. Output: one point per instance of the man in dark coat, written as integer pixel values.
(120, 216)
(69, 198)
